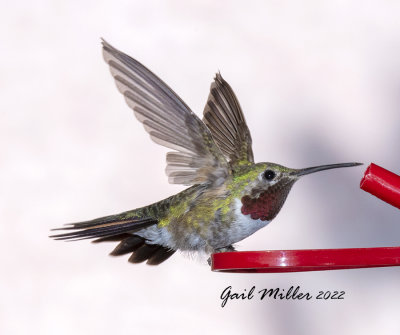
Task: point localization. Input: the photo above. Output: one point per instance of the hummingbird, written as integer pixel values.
(229, 196)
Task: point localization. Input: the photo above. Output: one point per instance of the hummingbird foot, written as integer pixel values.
(229, 248)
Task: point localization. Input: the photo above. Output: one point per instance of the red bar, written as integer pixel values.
(304, 260)
(382, 183)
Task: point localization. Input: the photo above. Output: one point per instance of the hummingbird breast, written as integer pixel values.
(242, 225)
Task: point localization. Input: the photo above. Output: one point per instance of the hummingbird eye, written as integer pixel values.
(269, 174)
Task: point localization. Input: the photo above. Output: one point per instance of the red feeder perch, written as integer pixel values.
(377, 181)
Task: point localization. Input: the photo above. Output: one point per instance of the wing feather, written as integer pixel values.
(169, 121)
(224, 117)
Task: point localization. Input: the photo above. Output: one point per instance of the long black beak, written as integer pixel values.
(303, 172)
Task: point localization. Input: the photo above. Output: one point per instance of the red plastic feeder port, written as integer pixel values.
(382, 183)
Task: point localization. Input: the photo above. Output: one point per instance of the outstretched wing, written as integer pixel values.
(225, 119)
(169, 121)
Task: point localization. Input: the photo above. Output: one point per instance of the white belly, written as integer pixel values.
(244, 225)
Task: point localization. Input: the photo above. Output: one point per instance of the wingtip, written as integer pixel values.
(104, 43)
(107, 48)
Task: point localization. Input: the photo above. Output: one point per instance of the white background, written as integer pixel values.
(319, 82)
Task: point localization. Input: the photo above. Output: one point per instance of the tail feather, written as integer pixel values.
(142, 250)
(103, 228)
(160, 256)
(143, 253)
(128, 245)
(119, 228)
(114, 238)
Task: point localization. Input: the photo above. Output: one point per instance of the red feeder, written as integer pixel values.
(382, 183)
(377, 181)
(304, 260)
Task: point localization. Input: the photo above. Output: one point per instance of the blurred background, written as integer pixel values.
(319, 83)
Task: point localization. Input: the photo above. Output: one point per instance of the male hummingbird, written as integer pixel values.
(230, 197)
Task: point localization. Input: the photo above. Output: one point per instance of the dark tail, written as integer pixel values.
(119, 228)
(104, 227)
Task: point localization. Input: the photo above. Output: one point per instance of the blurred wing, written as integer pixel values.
(169, 121)
(224, 117)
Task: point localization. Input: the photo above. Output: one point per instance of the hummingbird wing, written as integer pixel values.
(225, 119)
(169, 121)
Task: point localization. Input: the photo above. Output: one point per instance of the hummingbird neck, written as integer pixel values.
(266, 204)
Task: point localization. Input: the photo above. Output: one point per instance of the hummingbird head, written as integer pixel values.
(265, 194)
